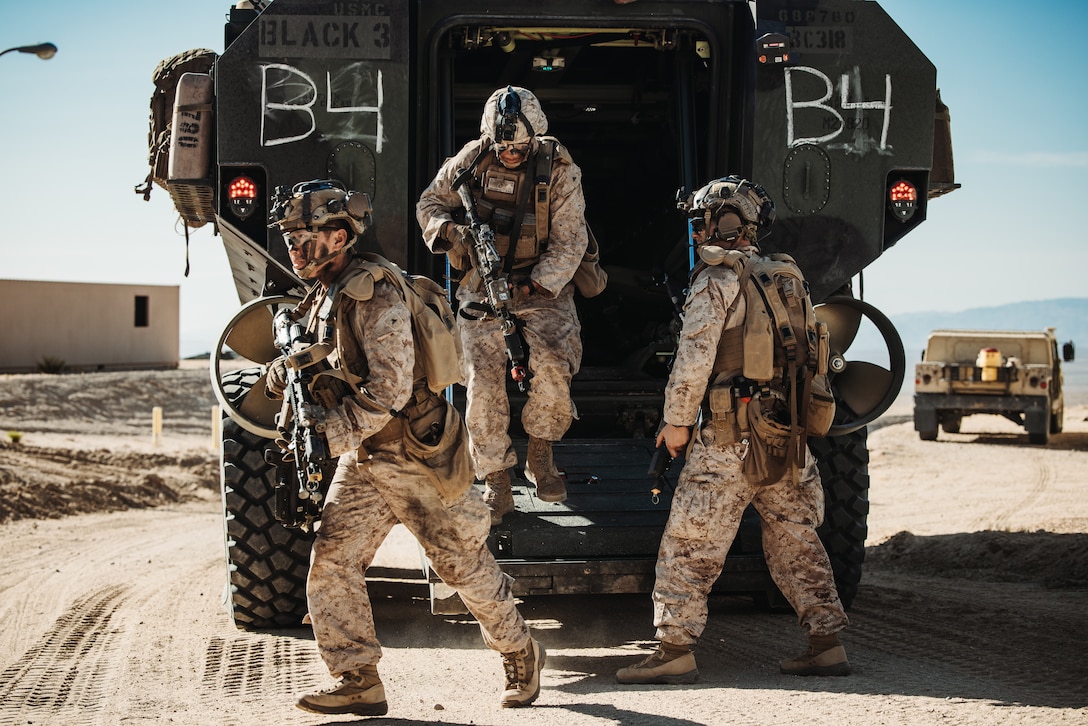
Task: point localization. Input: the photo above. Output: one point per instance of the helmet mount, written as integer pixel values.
(512, 115)
(509, 113)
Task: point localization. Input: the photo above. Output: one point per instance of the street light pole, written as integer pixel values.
(45, 51)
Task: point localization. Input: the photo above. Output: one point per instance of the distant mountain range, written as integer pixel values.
(1069, 317)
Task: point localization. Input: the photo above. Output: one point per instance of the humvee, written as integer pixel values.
(826, 103)
(1012, 373)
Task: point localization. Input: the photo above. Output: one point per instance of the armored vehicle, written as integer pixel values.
(1013, 373)
(826, 103)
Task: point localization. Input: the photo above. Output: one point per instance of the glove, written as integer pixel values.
(276, 378)
(459, 239)
(527, 286)
(457, 234)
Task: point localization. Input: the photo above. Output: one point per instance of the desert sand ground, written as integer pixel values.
(971, 608)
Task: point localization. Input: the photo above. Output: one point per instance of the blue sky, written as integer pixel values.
(1018, 98)
(73, 144)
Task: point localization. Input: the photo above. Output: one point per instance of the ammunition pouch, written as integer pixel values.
(502, 221)
(723, 414)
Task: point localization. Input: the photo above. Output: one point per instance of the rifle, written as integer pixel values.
(305, 451)
(489, 265)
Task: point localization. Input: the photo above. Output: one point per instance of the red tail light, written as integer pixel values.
(242, 194)
(903, 200)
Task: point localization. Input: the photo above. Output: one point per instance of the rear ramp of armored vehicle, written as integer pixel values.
(655, 97)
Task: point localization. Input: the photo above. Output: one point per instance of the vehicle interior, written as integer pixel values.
(633, 107)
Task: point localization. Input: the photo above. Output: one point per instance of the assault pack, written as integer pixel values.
(782, 396)
(434, 327)
(166, 77)
(434, 431)
(437, 342)
(181, 117)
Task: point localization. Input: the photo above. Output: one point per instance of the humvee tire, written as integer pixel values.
(928, 435)
(951, 424)
(267, 562)
(1057, 420)
(844, 471)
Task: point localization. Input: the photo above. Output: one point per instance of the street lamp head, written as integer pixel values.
(45, 51)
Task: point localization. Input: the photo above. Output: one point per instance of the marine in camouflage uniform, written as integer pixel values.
(503, 162)
(713, 491)
(377, 481)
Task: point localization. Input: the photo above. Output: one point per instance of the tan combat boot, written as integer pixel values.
(360, 692)
(540, 470)
(669, 664)
(825, 657)
(497, 495)
(522, 670)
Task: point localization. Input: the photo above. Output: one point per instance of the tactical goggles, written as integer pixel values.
(519, 150)
(697, 219)
(299, 237)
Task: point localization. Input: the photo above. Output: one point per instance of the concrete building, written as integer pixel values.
(87, 326)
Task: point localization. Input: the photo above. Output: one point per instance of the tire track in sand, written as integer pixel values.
(66, 671)
(1042, 478)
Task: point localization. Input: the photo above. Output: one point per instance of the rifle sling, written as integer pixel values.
(327, 307)
(542, 184)
(470, 310)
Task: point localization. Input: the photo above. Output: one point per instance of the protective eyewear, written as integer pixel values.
(519, 150)
(299, 237)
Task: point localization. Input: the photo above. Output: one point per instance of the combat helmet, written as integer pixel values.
(749, 201)
(313, 204)
(513, 115)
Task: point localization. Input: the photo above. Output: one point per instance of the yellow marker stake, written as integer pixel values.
(215, 428)
(156, 426)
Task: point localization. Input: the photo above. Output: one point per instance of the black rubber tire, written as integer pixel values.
(1057, 421)
(951, 424)
(844, 470)
(267, 563)
(1040, 438)
(928, 435)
